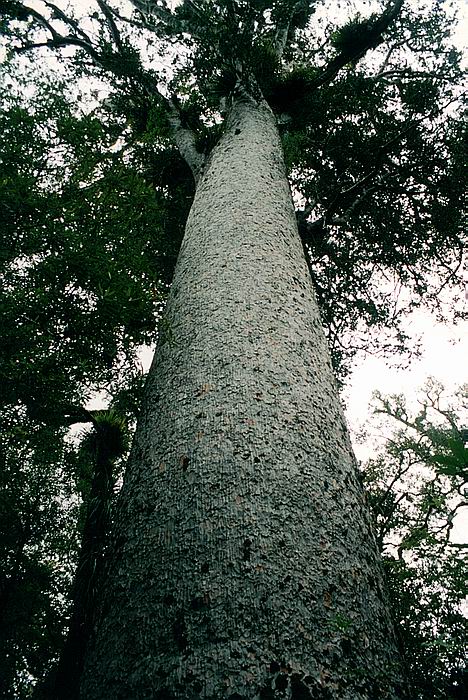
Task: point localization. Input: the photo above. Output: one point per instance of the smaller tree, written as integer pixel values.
(417, 489)
(101, 451)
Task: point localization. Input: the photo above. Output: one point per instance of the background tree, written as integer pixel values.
(348, 180)
(101, 449)
(37, 548)
(417, 489)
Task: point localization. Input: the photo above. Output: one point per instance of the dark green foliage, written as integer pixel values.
(264, 64)
(356, 35)
(11, 9)
(89, 244)
(38, 511)
(222, 85)
(426, 603)
(110, 435)
(420, 96)
(388, 193)
(291, 92)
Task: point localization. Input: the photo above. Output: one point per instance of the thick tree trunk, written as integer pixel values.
(244, 564)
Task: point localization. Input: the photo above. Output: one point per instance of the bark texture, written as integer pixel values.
(244, 565)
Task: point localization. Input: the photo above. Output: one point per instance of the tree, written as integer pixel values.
(241, 457)
(417, 487)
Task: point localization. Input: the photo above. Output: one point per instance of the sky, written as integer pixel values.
(444, 356)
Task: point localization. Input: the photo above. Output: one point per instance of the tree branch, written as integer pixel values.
(150, 8)
(61, 41)
(114, 32)
(66, 19)
(373, 37)
(184, 137)
(42, 20)
(283, 26)
(309, 228)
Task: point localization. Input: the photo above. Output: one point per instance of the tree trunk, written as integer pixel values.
(244, 565)
(88, 572)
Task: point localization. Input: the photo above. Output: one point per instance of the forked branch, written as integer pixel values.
(283, 27)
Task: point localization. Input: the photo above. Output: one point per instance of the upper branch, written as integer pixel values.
(70, 21)
(371, 36)
(353, 195)
(114, 32)
(183, 136)
(79, 38)
(283, 27)
(184, 139)
(158, 10)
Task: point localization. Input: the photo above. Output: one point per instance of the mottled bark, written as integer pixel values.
(244, 565)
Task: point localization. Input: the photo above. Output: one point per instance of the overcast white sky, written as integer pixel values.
(444, 356)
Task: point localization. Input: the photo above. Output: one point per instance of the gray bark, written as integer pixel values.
(244, 563)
